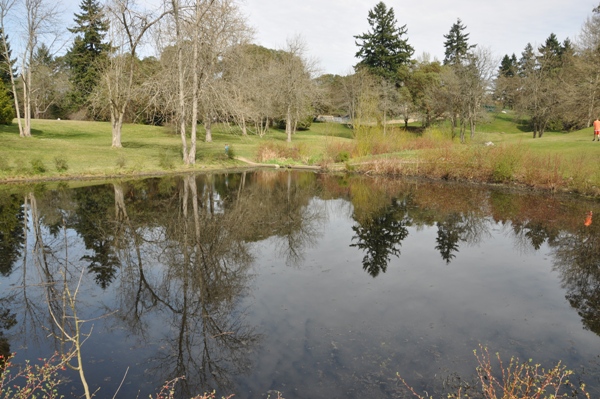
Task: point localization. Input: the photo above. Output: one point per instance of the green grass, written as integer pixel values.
(70, 149)
(84, 148)
(508, 123)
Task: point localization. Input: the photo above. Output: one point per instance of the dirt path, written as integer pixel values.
(268, 165)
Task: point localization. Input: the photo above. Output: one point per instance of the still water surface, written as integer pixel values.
(311, 285)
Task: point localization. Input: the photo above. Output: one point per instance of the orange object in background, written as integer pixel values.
(588, 219)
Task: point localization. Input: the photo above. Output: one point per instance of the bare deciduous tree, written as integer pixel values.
(128, 26)
(204, 31)
(295, 84)
(5, 7)
(41, 20)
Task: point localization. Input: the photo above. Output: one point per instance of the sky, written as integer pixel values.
(328, 27)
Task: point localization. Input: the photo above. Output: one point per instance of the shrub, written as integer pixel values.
(37, 165)
(271, 151)
(342, 156)
(61, 164)
(517, 380)
(230, 152)
(505, 163)
(121, 162)
(31, 381)
(165, 161)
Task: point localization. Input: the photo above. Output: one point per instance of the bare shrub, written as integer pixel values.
(516, 380)
(272, 151)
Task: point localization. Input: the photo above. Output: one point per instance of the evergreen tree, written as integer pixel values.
(508, 66)
(457, 44)
(527, 62)
(7, 112)
(88, 50)
(383, 50)
(6, 64)
(550, 54)
(42, 56)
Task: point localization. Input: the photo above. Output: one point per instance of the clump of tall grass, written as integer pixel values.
(366, 137)
(505, 163)
(515, 380)
(61, 164)
(338, 151)
(165, 160)
(582, 175)
(37, 166)
(546, 172)
(431, 138)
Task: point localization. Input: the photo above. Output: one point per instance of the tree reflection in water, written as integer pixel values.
(380, 236)
(180, 250)
(577, 258)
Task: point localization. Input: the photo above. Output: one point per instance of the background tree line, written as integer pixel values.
(205, 69)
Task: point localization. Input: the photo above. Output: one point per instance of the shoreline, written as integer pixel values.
(351, 169)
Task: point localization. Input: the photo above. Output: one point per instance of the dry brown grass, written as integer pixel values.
(505, 163)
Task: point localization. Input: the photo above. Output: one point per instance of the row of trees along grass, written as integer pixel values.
(206, 69)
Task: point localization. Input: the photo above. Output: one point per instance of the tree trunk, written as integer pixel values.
(116, 123)
(181, 110)
(288, 125)
(27, 103)
(208, 128)
(384, 121)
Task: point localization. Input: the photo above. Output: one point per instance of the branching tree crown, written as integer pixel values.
(383, 50)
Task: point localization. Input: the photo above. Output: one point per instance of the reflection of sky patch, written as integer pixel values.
(327, 328)
(422, 315)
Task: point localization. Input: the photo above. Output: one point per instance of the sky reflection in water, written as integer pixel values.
(315, 286)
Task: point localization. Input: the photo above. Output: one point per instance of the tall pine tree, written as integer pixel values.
(7, 111)
(88, 50)
(383, 50)
(457, 44)
(508, 66)
(6, 64)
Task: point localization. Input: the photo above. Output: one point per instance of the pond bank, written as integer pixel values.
(442, 169)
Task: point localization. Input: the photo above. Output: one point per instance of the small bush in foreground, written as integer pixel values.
(230, 152)
(42, 381)
(517, 380)
(31, 381)
(61, 164)
(37, 165)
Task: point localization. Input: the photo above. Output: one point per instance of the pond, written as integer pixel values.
(312, 285)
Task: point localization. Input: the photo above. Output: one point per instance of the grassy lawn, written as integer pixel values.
(85, 148)
(556, 160)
